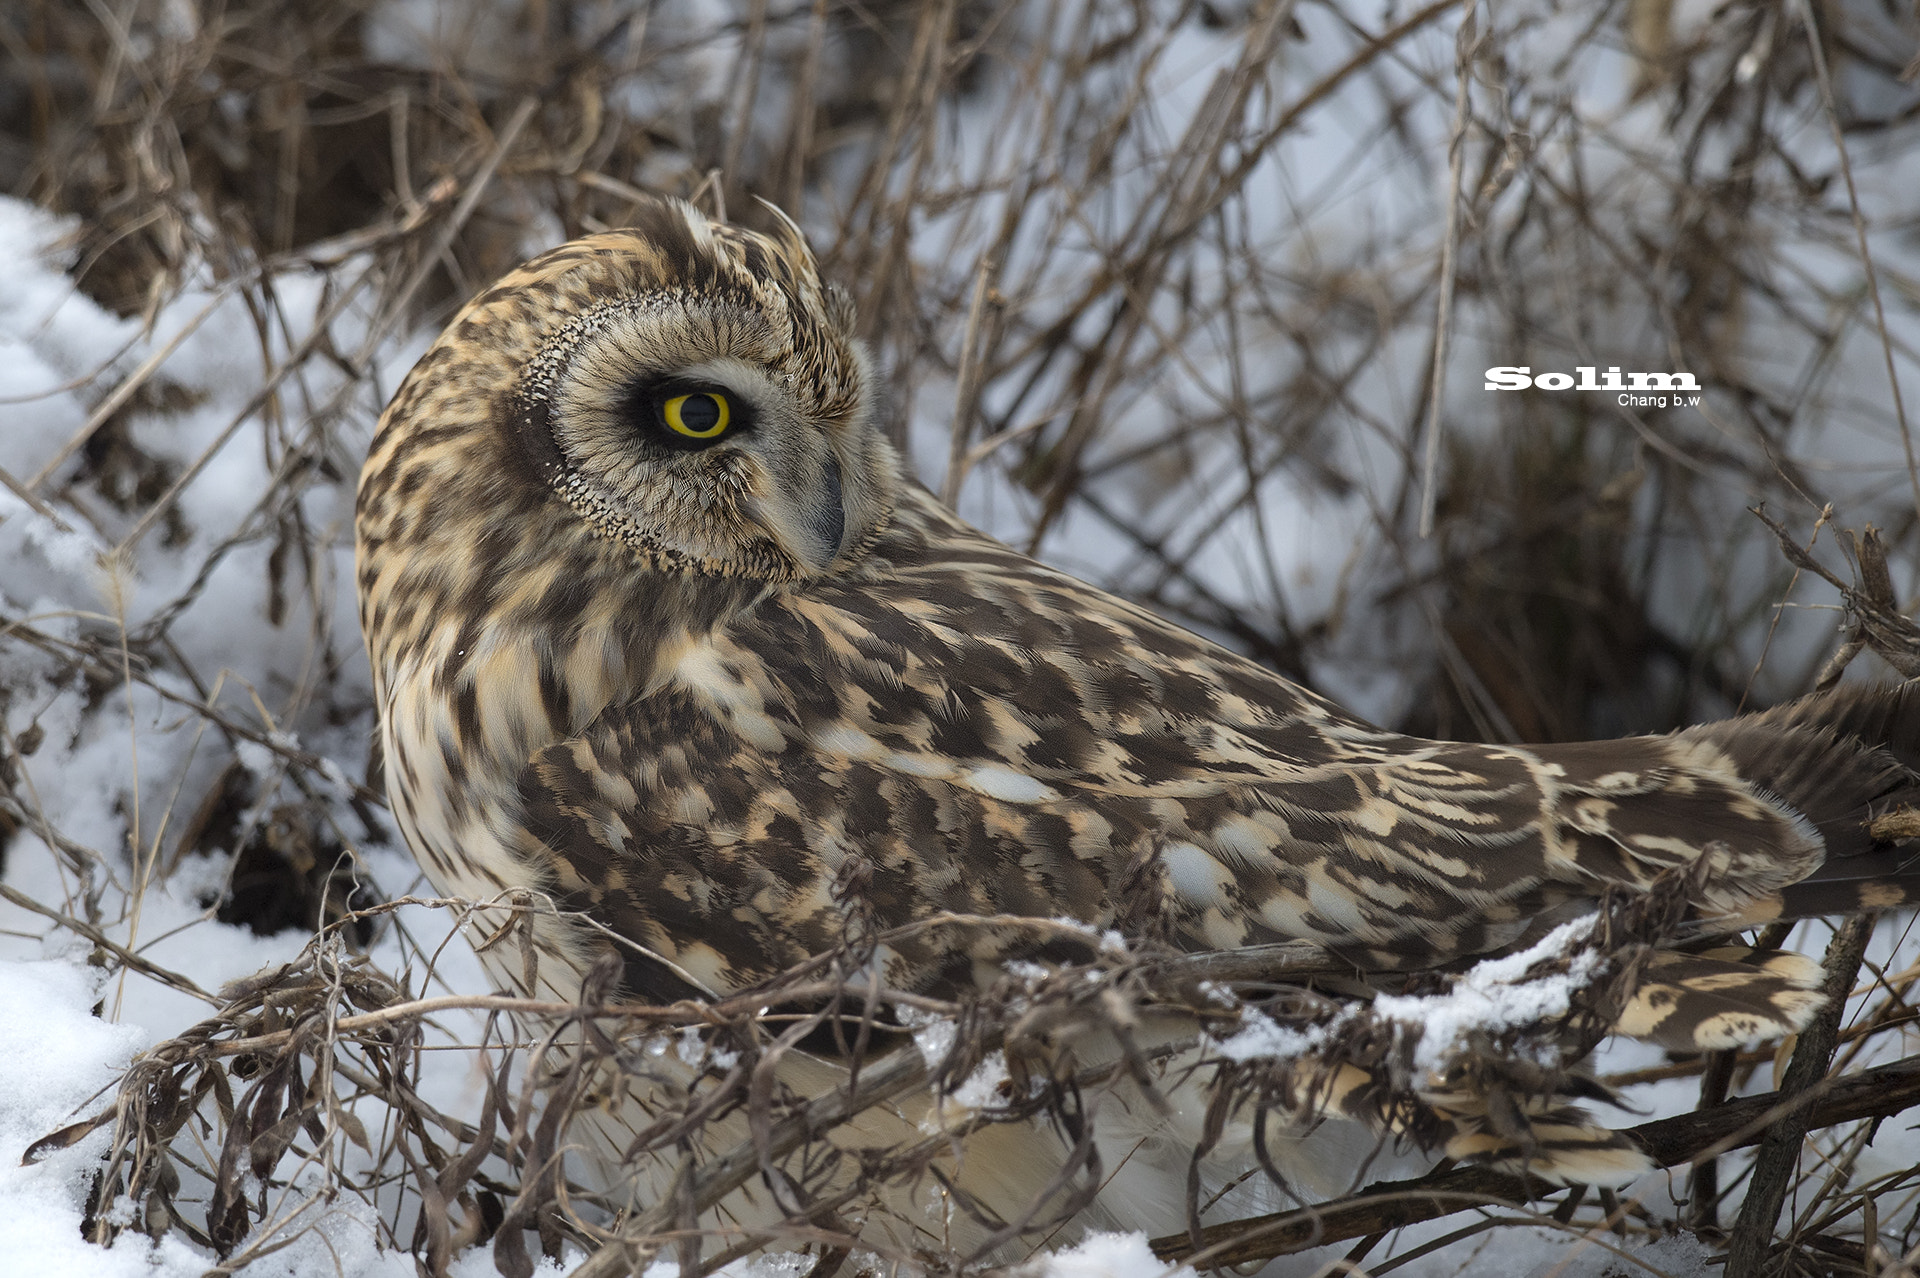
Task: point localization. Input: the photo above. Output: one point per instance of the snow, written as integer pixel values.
(1546, 1252)
(1494, 995)
(983, 1088)
(1260, 1037)
(56, 1057)
(1112, 1255)
(934, 1039)
(49, 335)
(777, 1265)
(693, 1049)
(108, 778)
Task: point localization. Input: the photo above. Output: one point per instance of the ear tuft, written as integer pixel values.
(840, 309)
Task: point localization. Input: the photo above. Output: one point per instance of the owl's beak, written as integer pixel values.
(809, 520)
(830, 512)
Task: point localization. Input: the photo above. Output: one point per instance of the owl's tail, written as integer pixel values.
(1808, 809)
(1848, 761)
(1845, 766)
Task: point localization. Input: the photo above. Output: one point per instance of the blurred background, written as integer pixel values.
(1194, 298)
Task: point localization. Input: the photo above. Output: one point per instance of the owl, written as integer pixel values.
(676, 666)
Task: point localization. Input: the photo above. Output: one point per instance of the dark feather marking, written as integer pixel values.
(466, 720)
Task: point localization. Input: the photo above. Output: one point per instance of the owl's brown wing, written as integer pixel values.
(993, 737)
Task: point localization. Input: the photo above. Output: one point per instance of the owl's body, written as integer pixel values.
(661, 633)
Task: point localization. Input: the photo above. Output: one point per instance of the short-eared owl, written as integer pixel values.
(665, 642)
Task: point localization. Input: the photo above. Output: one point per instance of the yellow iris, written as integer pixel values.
(701, 415)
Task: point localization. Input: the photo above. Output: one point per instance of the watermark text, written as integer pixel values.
(1635, 390)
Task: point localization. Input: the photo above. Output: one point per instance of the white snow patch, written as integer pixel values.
(695, 1051)
(1112, 1255)
(1522, 1252)
(934, 1041)
(1492, 995)
(1260, 1037)
(66, 550)
(55, 1056)
(779, 1264)
(982, 1090)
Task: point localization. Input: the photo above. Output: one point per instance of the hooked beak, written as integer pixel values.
(809, 523)
(830, 516)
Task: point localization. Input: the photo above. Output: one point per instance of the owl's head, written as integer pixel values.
(687, 389)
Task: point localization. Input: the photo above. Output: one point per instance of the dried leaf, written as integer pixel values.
(65, 1138)
(347, 1121)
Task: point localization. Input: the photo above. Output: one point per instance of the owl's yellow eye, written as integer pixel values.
(701, 415)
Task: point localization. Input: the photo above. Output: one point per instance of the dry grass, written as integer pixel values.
(1127, 312)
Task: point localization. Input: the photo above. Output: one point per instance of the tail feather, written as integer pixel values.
(1817, 898)
(1843, 761)
(1722, 998)
(1782, 814)
(1888, 718)
(1839, 758)
(1559, 1145)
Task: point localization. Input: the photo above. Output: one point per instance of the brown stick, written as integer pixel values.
(1779, 1155)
